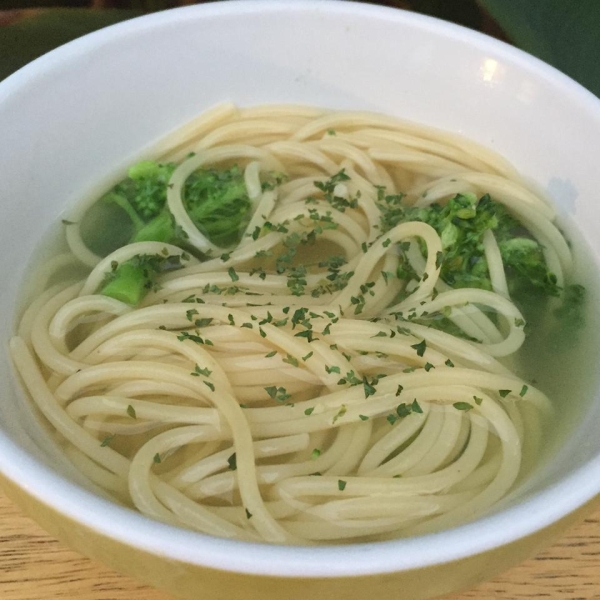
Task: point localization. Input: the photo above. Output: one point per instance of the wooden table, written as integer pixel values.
(33, 566)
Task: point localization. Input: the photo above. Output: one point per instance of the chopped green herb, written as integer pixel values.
(416, 407)
(203, 322)
(190, 314)
(420, 347)
(340, 413)
(185, 335)
(232, 462)
(504, 393)
(341, 485)
(277, 393)
(198, 371)
(403, 410)
(291, 360)
(106, 441)
(131, 412)
(368, 387)
(309, 411)
(462, 406)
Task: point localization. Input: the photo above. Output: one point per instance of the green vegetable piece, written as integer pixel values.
(218, 204)
(130, 284)
(130, 281)
(416, 407)
(403, 410)
(106, 441)
(216, 201)
(232, 462)
(420, 347)
(526, 267)
(160, 229)
(144, 191)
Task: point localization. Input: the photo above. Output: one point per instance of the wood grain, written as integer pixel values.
(33, 566)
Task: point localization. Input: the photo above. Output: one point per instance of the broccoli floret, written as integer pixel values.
(144, 192)
(216, 201)
(130, 281)
(160, 229)
(526, 268)
(218, 204)
(461, 224)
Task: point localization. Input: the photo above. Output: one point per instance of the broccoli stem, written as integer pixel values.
(129, 283)
(159, 229)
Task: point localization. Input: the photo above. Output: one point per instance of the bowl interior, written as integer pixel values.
(74, 117)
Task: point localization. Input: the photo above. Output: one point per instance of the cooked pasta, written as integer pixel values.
(334, 370)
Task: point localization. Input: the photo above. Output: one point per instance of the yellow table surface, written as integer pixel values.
(34, 566)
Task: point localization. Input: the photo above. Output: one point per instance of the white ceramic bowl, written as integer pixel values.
(74, 115)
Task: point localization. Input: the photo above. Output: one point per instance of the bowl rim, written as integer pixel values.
(126, 526)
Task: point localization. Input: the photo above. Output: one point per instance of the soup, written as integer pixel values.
(302, 326)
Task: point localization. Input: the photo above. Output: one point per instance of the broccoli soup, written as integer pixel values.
(296, 326)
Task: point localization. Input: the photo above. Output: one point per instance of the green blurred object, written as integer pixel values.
(36, 32)
(564, 33)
